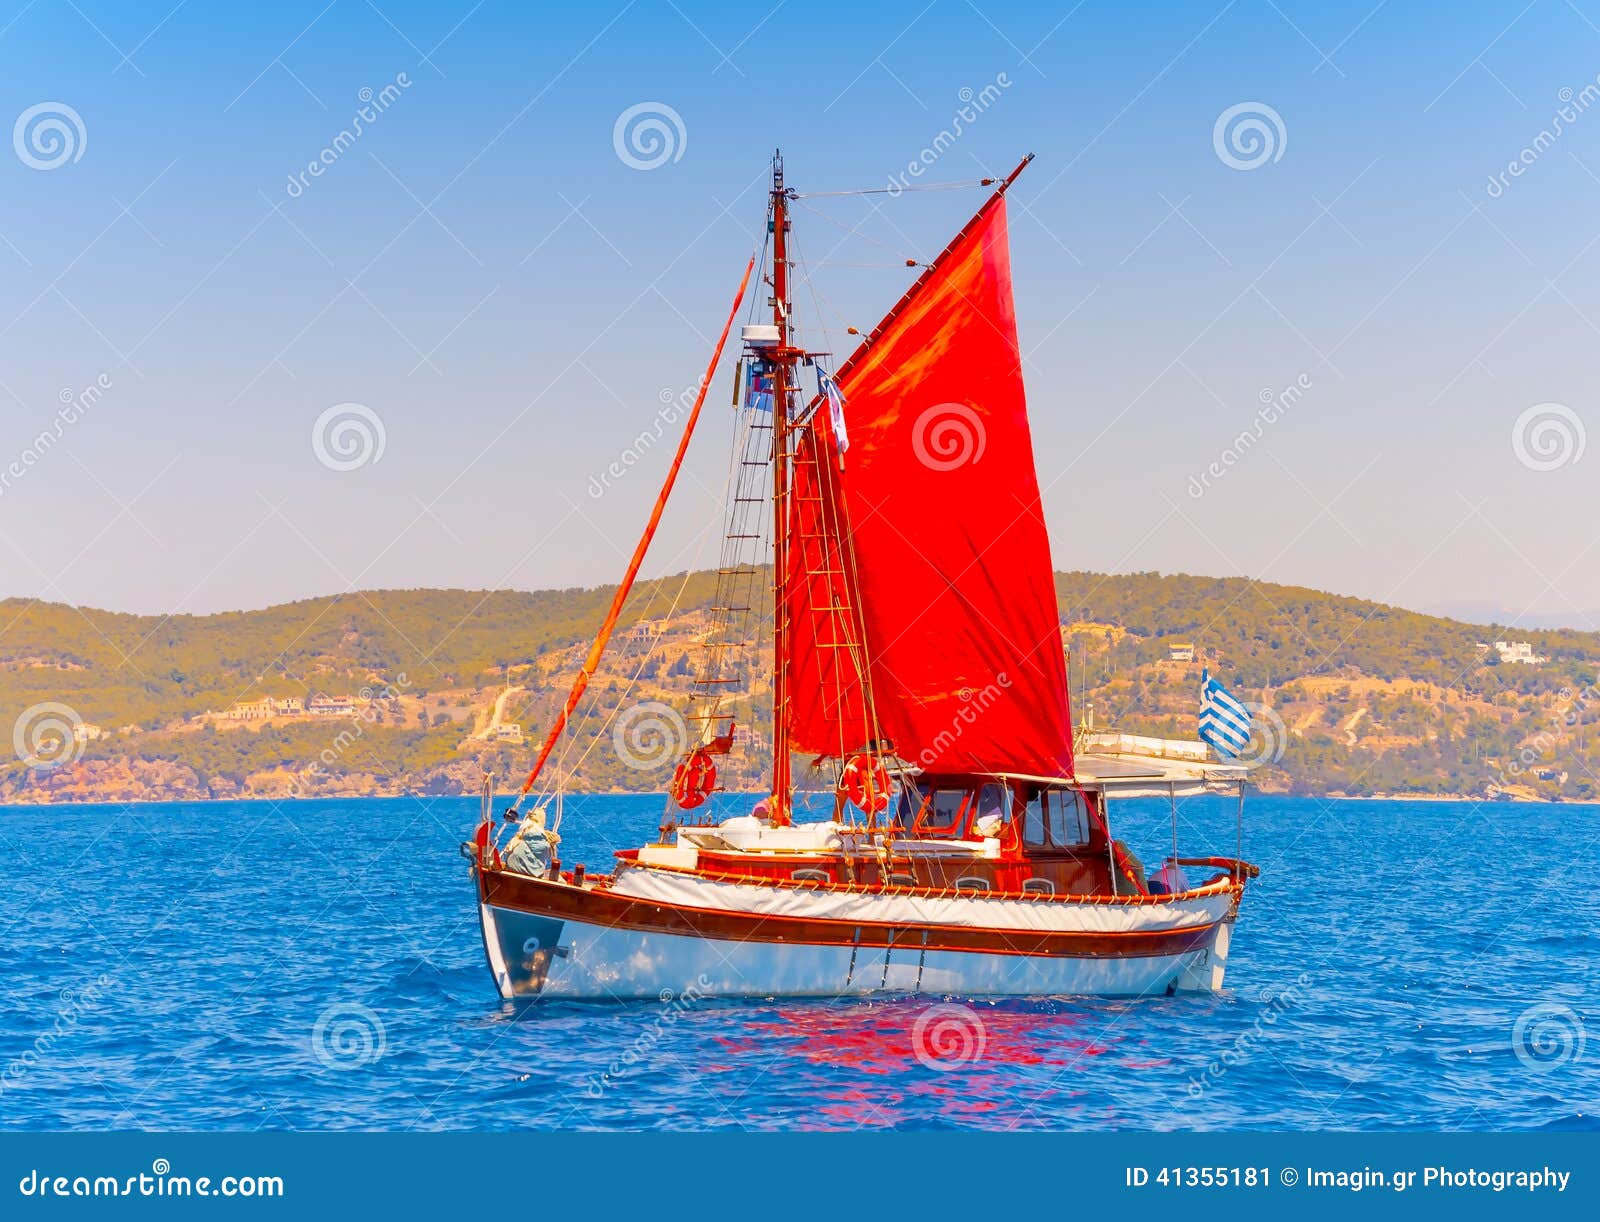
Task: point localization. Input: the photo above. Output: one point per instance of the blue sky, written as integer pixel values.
(484, 273)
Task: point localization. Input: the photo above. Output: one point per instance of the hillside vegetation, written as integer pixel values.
(1358, 698)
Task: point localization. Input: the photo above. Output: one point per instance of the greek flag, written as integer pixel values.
(828, 387)
(1224, 721)
(758, 388)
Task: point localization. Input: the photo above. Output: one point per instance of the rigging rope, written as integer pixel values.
(855, 231)
(966, 185)
(597, 650)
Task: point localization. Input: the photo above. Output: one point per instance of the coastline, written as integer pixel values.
(281, 799)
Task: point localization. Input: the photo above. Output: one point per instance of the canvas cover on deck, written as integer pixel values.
(948, 578)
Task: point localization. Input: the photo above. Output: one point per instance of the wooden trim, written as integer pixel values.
(605, 908)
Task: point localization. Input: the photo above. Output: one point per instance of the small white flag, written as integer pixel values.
(828, 387)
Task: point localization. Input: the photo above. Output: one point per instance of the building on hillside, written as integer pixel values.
(83, 732)
(1519, 652)
(1180, 651)
(260, 710)
(749, 738)
(331, 706)
(508, 732)
(249, 710)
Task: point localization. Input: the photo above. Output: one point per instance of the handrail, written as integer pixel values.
(930, 892)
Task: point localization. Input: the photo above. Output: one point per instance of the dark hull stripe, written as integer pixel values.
(606, 909)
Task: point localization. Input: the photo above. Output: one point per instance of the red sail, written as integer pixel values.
(828, 706)
(952, 585)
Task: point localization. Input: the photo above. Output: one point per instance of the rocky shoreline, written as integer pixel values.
(133, 780)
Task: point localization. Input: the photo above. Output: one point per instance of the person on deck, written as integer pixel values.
(532, 847)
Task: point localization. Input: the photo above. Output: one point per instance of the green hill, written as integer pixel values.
(1364, 698)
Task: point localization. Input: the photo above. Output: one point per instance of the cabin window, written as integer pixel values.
(1033, 822)
(942, 814)
(1066, 820)
(994, 800)
(907, 805)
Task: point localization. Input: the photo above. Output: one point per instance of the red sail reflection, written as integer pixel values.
(963, 1059)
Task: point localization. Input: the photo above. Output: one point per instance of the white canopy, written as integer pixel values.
(1136, 766)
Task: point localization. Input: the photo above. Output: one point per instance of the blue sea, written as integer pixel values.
(317, 965)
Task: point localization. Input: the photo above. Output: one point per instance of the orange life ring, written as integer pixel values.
(861, 774)
(694, 778)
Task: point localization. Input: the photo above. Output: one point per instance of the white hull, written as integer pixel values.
(535, 955)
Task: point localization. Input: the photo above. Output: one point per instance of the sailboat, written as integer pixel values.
(890, 525)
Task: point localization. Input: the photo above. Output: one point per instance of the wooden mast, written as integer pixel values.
(783, 361)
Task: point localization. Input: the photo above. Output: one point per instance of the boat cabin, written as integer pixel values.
(984, 834)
